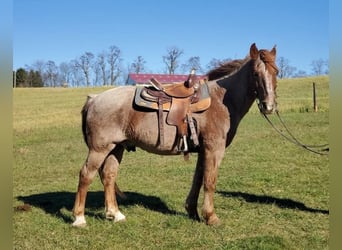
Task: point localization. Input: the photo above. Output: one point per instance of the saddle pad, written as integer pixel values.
(141, 102)
(202, 104)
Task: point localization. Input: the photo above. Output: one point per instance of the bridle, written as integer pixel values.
(317, 149)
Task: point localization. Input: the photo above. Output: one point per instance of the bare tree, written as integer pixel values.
(97, 73)
(51, 73)
(85, 63)
(319, 67)
(300, 73)
(125, 73)
(193, 62)
(101, 60)
(285, 70)
(114, 60)
(138, 65)
(65, 72)
(171, 59)
(76, 73)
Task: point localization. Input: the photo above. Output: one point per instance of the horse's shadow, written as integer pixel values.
(53, 203)
(280, 202)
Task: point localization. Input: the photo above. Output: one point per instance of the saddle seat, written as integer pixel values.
(179, 100)
(176, 89)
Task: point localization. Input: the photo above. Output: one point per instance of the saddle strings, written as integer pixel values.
(291, 138)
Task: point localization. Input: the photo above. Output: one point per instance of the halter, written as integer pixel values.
(317, 149)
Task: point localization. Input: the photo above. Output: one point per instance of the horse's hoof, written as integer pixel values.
(79, 222)
(119, 217)
(213, 220)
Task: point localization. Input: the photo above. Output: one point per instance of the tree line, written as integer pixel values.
(107, 69)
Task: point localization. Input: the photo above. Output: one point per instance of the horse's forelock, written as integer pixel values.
(269, 59)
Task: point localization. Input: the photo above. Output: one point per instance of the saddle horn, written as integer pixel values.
(190, 82)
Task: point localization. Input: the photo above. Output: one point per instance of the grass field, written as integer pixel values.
(270, 193)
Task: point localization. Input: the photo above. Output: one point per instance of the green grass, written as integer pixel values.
(270, 193)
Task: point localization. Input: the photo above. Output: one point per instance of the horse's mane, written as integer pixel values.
(226, 68)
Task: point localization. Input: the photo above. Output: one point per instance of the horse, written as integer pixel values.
(111, 124)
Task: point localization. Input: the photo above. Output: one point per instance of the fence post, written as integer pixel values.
(314, 97)
(14, 79)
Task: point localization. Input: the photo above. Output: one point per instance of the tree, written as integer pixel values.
(85, 63)
(101, 60)
(285, 70)
(171, 59)
(75, 74)
(193, 62)
(21, 77)
(97, 74)
(51, 73)
(300, 73)
(40, 67)
(34, 79)
(319, 67)
(65, 72)
(114, 60)
(138, 65)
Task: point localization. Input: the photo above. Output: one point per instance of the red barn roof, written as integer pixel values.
(162, 78)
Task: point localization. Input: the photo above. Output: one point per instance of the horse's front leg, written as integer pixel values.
(213, 155)
(192, 199)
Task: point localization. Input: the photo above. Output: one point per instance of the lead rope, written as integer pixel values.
(293, 139)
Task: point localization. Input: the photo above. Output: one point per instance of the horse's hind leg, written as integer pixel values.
(88, 171)
(108, 174)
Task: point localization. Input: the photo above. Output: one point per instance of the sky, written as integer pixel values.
(64, 30)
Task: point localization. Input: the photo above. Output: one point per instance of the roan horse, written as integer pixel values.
(111, 124)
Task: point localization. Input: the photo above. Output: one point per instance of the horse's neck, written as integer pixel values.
(238, 98)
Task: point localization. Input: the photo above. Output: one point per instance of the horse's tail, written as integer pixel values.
(84, 113)
(119, 192)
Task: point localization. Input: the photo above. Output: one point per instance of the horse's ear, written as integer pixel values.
(274, 50)
(254, 52)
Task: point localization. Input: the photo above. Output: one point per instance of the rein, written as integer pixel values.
(317, 149)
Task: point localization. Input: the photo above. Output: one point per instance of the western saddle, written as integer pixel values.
(180, 100)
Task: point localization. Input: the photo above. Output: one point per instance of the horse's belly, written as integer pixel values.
(144, 132)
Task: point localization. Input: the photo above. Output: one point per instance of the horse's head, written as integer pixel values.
(264, 75)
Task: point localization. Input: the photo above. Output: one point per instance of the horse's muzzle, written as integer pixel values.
(267, 108)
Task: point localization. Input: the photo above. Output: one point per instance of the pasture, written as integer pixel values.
(270, 193)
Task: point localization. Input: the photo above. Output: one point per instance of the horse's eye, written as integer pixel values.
(255, 74)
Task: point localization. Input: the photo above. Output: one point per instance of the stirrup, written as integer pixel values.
(183, 141)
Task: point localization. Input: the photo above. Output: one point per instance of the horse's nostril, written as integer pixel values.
(267, 108)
